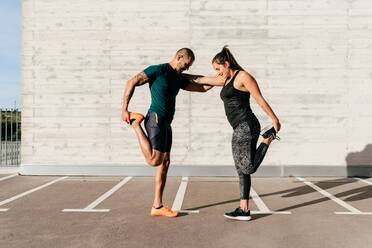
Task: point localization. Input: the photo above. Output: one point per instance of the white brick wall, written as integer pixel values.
(311, 58)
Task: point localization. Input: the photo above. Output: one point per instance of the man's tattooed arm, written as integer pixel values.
(140, 79)
(137, 80)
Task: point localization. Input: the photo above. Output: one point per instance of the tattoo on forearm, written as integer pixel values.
(141, 78)
(197, 80)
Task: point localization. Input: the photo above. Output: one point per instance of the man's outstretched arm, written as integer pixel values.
(194, 83)
(137, 80)
(197, 87)
(205, 81)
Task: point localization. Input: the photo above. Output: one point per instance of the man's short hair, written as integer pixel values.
(186, 52)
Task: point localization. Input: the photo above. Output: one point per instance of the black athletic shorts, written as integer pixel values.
(159, 132)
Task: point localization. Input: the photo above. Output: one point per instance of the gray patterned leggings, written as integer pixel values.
(246, 157)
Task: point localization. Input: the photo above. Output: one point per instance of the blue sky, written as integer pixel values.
(10, 53)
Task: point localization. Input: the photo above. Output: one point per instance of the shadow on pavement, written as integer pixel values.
(303, 190)
(214, 204)
(357, 194)
(182, 215)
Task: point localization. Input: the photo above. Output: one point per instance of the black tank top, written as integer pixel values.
(236, 103)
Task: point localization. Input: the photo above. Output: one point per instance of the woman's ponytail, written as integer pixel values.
(226, 55)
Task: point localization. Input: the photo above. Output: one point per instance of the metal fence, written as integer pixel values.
(10, 137)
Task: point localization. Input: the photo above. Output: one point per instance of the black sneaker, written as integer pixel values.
(270, 132)
(238, 214)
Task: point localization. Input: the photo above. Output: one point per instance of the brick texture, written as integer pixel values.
(311, 58)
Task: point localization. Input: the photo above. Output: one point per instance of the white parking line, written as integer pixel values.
(351, 213)
(352, 210)
(362, 213)
(262, 206)
(177, 204)
(90, 207)
(364, 181)
(4, 178)
(28, 192)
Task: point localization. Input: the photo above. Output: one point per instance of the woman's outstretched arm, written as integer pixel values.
(200, 79)
(251, 85)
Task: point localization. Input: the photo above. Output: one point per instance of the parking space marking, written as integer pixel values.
(352, 210)
(351, 213)
(27, 193)
(363, 180)
(90, 207)
(262, 206)
(361, 213)
(177, 204)
(7, 177)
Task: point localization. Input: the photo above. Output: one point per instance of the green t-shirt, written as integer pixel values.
(164, 83)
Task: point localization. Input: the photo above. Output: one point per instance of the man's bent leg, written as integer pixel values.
(153, 157)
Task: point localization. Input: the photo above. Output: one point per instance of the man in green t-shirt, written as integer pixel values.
(165, 81)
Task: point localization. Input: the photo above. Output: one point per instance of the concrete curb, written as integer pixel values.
(9, 170)
(193, 170)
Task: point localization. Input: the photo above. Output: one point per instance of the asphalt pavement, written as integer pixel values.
(46, 211)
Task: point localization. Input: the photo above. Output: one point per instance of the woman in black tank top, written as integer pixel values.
(237, 87)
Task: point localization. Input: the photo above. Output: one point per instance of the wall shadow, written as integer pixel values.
(359, 164)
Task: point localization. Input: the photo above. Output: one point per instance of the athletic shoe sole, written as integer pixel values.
(135, 116)
(238, 217)
(267, 128)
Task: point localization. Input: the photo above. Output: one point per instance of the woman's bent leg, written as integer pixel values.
(259, 156)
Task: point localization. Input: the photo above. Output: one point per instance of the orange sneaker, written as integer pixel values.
(164, 211)
(135, 116)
